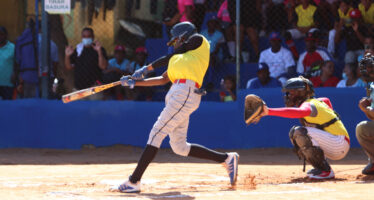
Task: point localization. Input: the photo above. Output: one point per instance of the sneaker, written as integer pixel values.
(369, 169)
(313, 171)
(318, 175)
(128, 187)
(231, 165)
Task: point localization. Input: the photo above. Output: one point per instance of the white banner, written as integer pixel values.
(57, 6)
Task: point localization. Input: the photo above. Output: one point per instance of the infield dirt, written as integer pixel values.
(90, 173)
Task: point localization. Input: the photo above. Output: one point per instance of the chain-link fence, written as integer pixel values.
(102, 40)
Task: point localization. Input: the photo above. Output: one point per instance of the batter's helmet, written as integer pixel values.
(181, 30)
(297, 90)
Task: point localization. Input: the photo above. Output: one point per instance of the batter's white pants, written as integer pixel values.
(335, 147)
(181, 101)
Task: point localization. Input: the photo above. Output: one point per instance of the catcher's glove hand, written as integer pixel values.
(254, 109)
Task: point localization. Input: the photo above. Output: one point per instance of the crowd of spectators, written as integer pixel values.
(321, 25)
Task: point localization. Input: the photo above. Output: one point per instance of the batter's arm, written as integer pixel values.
(154, 81)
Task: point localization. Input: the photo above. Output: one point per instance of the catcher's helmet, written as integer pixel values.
(181, 30)
(366, 66)
(297, 90)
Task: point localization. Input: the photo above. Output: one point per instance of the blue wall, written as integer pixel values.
(52, 124)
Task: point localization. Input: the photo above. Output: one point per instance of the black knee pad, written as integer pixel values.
(301, 137)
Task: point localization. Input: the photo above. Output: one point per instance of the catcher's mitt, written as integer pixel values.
(253, 109)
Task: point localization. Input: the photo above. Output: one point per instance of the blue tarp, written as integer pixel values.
(52, 124)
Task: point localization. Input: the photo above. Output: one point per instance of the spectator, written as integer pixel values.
(186, 8)
(327, 78)
(276, 16)
(88, 60)
(263, 79)
(279, 59)
(226, 23)
(302, 18)
(368, 47)
(117, 66)
(26, 55)
(312, 56)
(170, 15)
(366, 8)
(320, 41)
(250, 21)
(215, 38)
(228, 92)
(141, 93)
(6, 64)
(352, 80)
(46, 82)
(199, 13)
(343, 20)
(354, 36)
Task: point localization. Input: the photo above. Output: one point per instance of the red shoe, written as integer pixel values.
(369, 169)
(319, 175)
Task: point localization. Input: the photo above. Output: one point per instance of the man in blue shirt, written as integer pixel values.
(6, 64)
(263, 79)
(117, 66)
(215, 38)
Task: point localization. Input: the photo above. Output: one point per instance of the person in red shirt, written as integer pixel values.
(327, 78)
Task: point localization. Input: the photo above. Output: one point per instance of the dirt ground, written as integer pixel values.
(90, 173)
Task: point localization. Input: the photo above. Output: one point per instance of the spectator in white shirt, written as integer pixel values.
(279, 59)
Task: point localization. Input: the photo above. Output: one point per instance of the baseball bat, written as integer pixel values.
(87, 92)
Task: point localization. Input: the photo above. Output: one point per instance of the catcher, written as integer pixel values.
(186, 70)
(322, 134)
(365, 129)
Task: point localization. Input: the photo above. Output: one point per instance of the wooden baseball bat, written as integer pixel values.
(87, 92)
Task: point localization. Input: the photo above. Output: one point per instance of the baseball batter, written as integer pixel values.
(186, 70)
(365, 129)
(322, 134)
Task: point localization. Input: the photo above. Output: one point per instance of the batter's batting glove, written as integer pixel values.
(127, 81)
(140, 73)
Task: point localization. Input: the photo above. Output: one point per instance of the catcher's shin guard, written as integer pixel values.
(305, 150)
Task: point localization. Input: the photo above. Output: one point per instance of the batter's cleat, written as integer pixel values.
(128, 187)
(369, 169)
(231, 165)
(320, 175)
(313, 171)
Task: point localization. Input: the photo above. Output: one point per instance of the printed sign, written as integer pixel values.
(57, 6)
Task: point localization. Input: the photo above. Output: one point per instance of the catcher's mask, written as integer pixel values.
(297, 90)
(181, 31)
(366, 66)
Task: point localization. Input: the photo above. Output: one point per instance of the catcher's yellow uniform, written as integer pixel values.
(325, 114)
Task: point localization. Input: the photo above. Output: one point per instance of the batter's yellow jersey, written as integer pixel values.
(191, 65)
(325, 114)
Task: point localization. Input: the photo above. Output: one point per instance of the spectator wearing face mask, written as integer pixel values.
(88, 60)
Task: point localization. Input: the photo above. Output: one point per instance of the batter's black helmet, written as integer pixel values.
(181, 30)
(303, 89)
